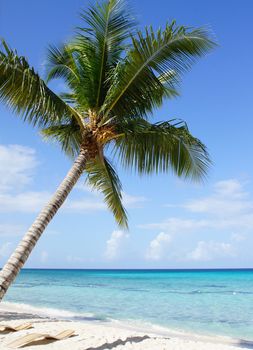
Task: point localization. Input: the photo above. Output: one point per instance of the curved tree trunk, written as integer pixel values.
(23, 250)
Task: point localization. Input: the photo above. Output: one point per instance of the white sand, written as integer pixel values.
(95, 335)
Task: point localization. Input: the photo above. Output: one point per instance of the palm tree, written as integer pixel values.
(116, 76)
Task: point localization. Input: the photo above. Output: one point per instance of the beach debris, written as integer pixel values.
(8, 328)
(40, 339)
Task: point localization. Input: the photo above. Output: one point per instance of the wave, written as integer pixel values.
(49, 312)
(192, 292)
(140, 325)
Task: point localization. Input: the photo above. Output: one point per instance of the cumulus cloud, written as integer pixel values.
(97, 203)
(33, 202)
(230, 188)
(158, 246)
(16, 166)
(114, 244)
(174, 225)
(228, 209)
(207, 251)
(130, 201)
(10, 230)
(229, 198)
(83, 205)
(5, 249)
(25, 202)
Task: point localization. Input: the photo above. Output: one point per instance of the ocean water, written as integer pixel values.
(200, 301)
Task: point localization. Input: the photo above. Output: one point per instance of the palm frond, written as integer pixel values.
(161, 147)
(102, 177)
(22, 89)
(67, 135)
(136, 85)
(73, 63)
(109, 25)
(61, 64)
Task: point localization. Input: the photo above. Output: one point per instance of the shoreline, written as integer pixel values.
(94, 334)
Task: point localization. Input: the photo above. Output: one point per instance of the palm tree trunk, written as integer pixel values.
(23, 250)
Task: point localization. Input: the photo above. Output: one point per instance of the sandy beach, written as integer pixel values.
(96, 335)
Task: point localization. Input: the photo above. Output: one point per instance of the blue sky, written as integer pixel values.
(173, 224)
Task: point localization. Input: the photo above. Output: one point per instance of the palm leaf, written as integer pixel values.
(136, 86)
(161, 147)
(103, 178)
(67, 135)
(109, 25)
(61, 64)
(22, 89)
(73, 63)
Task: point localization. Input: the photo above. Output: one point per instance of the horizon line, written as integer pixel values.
(139, 269)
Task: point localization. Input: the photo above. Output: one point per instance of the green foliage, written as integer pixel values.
(73, 63)
(68, 136)
(86, 62)
(161, 147)
(116, 76)
(103, 177)
(22, 89)
(153, 67)
(110, 25)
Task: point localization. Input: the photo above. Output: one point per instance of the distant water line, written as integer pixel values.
(201, 301)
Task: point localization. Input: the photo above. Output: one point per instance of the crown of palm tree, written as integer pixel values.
(116, 76)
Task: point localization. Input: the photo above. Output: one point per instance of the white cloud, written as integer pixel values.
(16, 166)
(130, 201)
(114, 244)
(207, 251)
(157, 247)
(85, 204)
(230, 188)
(33, 202)
(74, 259)
(175, 225)
(238, 237)
(43, 256)
(10, 230)
(228, 208)
(25, 202)
(97, 203)
(5, 249)
(82, 186)
(229, 198)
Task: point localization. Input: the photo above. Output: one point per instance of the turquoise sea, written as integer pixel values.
(200, 301)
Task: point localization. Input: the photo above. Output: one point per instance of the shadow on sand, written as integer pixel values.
(245, 344)
(109, 346)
